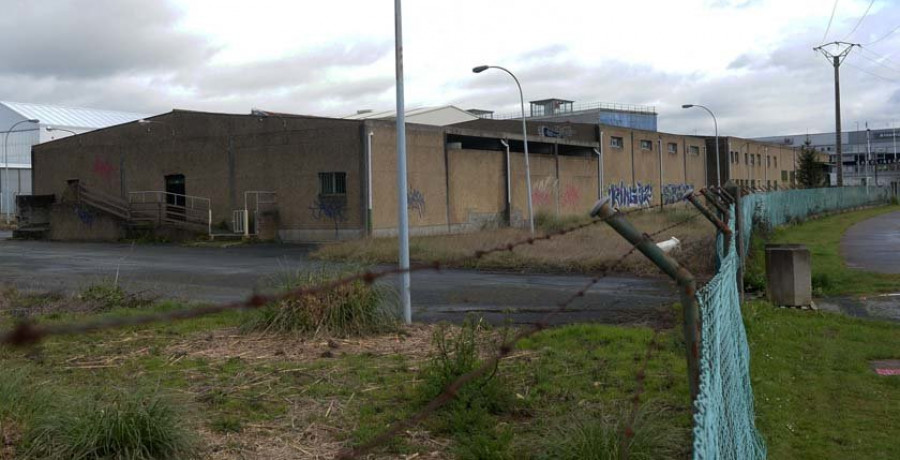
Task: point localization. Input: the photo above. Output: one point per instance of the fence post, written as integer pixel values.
(723, 210)
(669, 266)
(736, 193)
(707, 213)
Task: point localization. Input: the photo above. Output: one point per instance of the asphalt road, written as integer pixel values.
(874, 244)
(224, 274)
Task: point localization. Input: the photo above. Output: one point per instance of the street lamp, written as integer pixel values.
(51, 129)
(482, 68)
(716, 125)
(6, 164)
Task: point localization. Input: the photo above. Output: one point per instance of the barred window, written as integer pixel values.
(646, 145)
(673, 147)
(333, 183)
(616, 142)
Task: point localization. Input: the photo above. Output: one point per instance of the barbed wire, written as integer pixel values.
(504, 350)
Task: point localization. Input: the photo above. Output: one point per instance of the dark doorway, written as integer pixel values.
(175, 196)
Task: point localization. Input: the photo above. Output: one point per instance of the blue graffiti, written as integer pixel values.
(84, 215)
(415, 201)
(673, 193)
(327, 209)
(627, 196)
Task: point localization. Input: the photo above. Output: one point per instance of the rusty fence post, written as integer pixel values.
(690, 197)
(691, 318)
(739, 216)
(713, 200)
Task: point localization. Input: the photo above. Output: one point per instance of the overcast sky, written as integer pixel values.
(751, 61)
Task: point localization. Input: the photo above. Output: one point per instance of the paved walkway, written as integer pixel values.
(874, 244)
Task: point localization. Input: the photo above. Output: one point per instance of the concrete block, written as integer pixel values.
(788, 275)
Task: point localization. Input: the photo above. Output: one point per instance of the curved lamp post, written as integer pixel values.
(6, 164)
(482, 68)
(716, 125)
(51, 129)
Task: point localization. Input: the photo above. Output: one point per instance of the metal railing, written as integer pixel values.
(633, 108)
(171, 208)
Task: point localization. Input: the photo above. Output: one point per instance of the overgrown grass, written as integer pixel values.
(815, 393)
(830, 275)
(589, 250)
(109, 295)
(353, 309)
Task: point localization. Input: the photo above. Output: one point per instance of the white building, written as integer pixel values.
(435, 116)
(52, 122)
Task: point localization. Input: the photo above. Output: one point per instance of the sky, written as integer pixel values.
(750, 61)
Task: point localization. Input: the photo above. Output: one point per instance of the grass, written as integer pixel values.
(284, 395)
(588, 250)
(830, 275)
(816, 396)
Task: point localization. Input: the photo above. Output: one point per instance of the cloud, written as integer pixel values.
(96, 39)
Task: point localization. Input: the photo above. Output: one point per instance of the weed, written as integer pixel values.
(821, 283)
(226, 424)
(469, 417)
(353, 309)
(130, 426)
(109, 296)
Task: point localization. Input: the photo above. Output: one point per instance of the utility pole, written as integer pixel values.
(836, 59)
(402, 209)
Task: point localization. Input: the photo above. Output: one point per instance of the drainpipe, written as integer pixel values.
(369, 181)
(659, 152)
(599, 173)
(766, 166)
(508, 184)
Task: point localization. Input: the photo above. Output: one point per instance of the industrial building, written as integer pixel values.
(24, 125)
(561, 110)
(302, 178)
(868, 154)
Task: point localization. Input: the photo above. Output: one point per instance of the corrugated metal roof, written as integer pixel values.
(73, 117)
(438, 116)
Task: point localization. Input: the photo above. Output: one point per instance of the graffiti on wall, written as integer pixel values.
(542, 191)
(570, 196)
(84, 215)
(624, 196)
(332, 210)
(103, 169)
(673, 193)
(415, 201)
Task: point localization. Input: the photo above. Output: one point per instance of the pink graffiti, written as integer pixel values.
(103, 169)
(570, 196)
(542, 192)
(541, 197)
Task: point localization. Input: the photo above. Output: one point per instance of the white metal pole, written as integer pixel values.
(600, 168)
(402, 211)
(369, 180)
(527, 167)
(505, 144)
(659, 154)
(868, 154)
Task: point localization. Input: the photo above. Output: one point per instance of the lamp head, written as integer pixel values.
(33, 120)
(687, 106)
(480, 68)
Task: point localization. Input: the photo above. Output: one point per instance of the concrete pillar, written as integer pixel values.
(788, 275)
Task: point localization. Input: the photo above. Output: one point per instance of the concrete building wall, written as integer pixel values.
(477, 187)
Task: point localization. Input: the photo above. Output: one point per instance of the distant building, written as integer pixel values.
(879, 144)
(561, 110)
(435, 116)
(54, 122)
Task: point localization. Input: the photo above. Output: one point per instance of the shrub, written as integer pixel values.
(353, 309)
(821, 283)
(550, 223)
(130, 426)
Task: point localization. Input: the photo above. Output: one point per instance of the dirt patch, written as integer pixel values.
(412, 341)
(10, 434)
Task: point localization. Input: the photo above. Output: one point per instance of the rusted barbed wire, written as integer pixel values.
(628, 431)
(27, 333)
(504, 350)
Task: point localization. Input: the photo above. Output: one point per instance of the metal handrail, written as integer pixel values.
(648, 109)
(160, 196)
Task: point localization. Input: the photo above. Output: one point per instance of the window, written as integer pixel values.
(694, 150)
(768, 161)
(746, 158)
(784, 176)
(615, 142)
(333, 183)
(776, 161)
(752, 162)
(673, 147)
(646, 145)
(759, 159)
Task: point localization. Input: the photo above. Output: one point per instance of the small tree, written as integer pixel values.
(810, 171)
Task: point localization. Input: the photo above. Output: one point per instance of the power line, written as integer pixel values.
(860, 20)
(877, 62)
(873, 74)
(833, 9)
(883, 36)
(879, 56)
